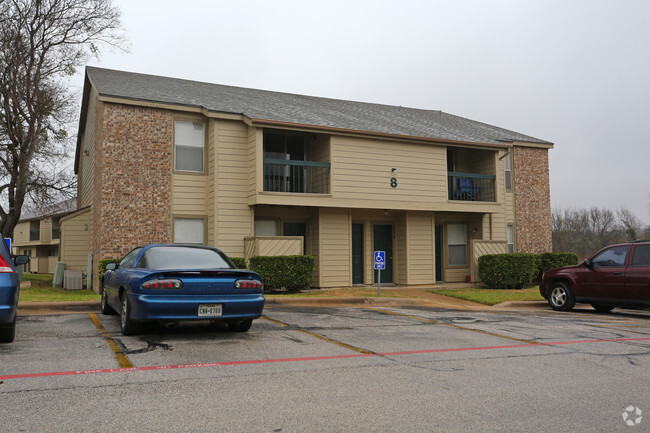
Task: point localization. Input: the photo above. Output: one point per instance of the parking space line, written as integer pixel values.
(452, 326)
(320, 337)
(122, 360)
(319, 358)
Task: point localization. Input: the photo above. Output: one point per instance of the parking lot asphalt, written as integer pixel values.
(366, 366)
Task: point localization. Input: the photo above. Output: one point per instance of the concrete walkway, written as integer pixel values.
(391, 296)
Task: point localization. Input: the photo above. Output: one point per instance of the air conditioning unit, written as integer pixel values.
(73, 280)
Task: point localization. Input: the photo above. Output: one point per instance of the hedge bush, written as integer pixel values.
(508, 271)
(292, 273)
(102, 267)
(556, 260)
(239, 262)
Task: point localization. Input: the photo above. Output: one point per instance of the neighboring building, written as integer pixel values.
(250, 171)
(38, 235)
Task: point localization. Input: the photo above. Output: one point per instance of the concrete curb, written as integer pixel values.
(522, 304)
(27, 308)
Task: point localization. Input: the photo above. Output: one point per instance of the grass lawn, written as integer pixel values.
(492, 297)
(42, 291)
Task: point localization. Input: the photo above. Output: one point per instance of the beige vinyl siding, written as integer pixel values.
(234, 218)
(46, 230)
(211, 193)
(255, 154)
(189, 194)
(400, 250)
(421, 263)
(314, 241)
(75, 240)
(87, 162)
(361, 171)
(335, 248)
(21, 233)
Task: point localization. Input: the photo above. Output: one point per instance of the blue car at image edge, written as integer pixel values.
(9, 292)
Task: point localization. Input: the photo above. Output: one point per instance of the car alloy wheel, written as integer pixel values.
(561, 297)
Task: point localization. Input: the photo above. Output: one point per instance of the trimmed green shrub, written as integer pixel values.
(556, 260)
(292, 273)
(508, 271)
(102, 267)
(239, 262)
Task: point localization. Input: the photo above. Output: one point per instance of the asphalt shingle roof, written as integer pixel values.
(300, 109)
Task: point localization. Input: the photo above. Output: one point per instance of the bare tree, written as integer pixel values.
(628, 224)
(42, 43)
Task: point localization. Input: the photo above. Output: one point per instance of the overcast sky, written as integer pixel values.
(573, 72)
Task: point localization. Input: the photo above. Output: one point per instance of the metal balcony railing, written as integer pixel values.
(56, 232)
(296, 176)
(472, 187)
(35, 235)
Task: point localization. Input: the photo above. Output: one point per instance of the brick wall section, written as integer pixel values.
(133, 167)
(532, 200)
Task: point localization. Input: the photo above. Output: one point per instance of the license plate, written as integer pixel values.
(210, 310)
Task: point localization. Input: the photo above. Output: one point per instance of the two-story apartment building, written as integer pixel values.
(250, 171)
(38, 235)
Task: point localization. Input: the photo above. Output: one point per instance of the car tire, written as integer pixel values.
(561, 297)
(602, 308)
(241, 326)
(107, 310)
(8, 333)
(127, 325)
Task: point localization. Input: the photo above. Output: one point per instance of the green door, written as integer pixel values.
(438, 246)
(357, 253)
(383, 241)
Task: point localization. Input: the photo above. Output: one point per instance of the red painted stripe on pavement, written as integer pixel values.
(310, 358)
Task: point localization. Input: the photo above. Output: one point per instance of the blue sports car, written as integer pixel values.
(9, 291)
(171, 282)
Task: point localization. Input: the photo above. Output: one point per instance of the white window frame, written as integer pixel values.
(180, 236)
(456, 237)
(190, 144)
(508, 171)
(510, 229)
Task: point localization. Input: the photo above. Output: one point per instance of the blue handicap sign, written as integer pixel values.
(380, 259)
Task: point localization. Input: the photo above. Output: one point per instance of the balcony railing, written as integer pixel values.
(34, 234)
(56, 232)
(472, 187)
(296, 176)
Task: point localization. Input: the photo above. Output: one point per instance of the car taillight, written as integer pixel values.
(248, 284)
(162, 284)
(4, 266)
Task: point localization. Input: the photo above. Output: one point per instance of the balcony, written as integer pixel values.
(294, 176)
(35, 235)
(471, 187)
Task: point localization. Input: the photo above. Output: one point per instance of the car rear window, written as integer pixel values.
(183, 258)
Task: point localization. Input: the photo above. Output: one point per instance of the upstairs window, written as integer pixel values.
(508, 163)
(189, 146)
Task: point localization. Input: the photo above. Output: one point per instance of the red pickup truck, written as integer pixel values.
(616, 276)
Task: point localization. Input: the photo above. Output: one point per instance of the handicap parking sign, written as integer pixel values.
(380, 259)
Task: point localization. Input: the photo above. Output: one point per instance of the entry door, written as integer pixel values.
(357, 253)
(383, 241)
(438, 246)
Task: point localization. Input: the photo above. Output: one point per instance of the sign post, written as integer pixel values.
(380, 263)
